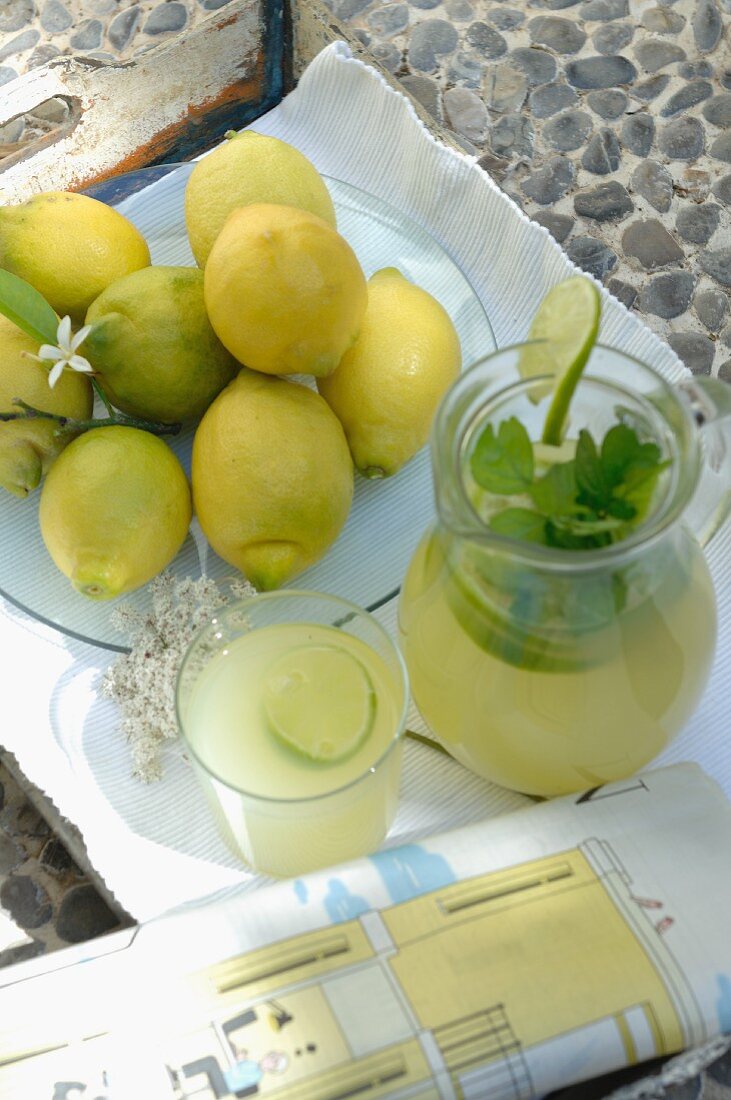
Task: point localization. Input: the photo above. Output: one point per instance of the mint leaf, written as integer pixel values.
(27, 308)
(555, 493)
(520, 523)
(503, 463)
(595, 490)
(621, 450)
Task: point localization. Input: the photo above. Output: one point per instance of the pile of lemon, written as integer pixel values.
(278, 293)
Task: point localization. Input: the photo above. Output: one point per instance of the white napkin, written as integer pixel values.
(156, 847)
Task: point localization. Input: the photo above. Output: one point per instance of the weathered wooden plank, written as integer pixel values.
(169, 104)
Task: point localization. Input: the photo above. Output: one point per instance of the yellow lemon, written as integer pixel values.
(153, 346)
(285, 292)
(115, 509)
(387, 388)
(272, 477)
(69, 247)
(249, 168)
(29, 447)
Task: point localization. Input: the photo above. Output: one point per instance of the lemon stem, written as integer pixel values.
(68, 423)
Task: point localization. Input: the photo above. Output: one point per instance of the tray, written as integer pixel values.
(369, 559)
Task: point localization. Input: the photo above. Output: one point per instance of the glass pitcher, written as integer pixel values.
(548, 670)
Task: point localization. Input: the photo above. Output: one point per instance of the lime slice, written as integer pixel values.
(320, 701)
(568, 321)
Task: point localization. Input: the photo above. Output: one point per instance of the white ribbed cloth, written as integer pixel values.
(156, 847)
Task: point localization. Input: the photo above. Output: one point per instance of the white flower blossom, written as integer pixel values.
(142, 682)
(63, 354)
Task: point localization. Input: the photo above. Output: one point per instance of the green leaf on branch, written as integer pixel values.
(520, 523)
(27, 308)
(503, 463)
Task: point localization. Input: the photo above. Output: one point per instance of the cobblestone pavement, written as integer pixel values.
(41, 887)
(607, 121)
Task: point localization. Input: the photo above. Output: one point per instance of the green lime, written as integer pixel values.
(320, 701)
(568, 321)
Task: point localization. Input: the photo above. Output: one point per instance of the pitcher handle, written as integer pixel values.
(710, 403)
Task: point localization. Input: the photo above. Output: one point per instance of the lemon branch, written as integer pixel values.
(68, 423)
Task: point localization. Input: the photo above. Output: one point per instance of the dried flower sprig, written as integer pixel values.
(142, 682)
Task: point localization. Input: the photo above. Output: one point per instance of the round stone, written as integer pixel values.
(559, 34)
(721, 148)
(15, 14)
(691, 70)
(638, 133)
(387, 54)
(724, 373)
(505, 88)
(654, 54)
(717, 265)
(600, 72)
(361, 34)
(722, 189)
(592, 256)
(538, 66)
(719, 1071)
(214, 5)
(608, 103)
(346, 9)
(558, 5)
(667, 295)
(55, 17)
(123, 26)
(465, 69)
(389, 20)
(662, 21)
(11, 854)
(725, 77)
(102, 7)
(558, 225)
(694, 349)
(42, 54)
(694, 184)
(511, 136)
(9, 134)
(494, 166)
(623, 292)
(426, 91)
(82, 915)
(506, 19)
(487, 40)
(426, 4)
(466, 114)
(602, 154)
(7, 74)
(694, 92)
(548, 99)
(549, 183)
(604, 10)
(650, 243)
(650, 89)
(166, 18)
(459, 10)
(26, 901)
(707, 25)
(698, 223)
(711, 307)
(718, 111)
(611, 38)
(53, 110)
(605, 202)
(568, 130)
(429, 40)
(683, 138)
(87, 36)
(23, 41)
(654, 183)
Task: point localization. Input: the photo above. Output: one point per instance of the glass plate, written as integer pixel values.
(368, 561)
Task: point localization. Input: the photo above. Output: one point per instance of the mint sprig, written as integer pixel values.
(589, 502)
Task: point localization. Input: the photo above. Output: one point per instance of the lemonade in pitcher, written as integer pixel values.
(558, 622)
